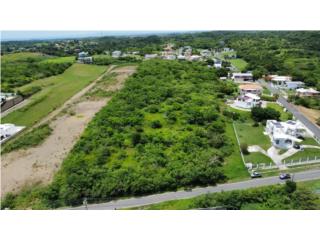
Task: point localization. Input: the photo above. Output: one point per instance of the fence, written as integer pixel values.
(302, 161)
(263, 166)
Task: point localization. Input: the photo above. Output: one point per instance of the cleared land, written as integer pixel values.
(239, 63)
(55, 91)
(311, 114)
(23, 168)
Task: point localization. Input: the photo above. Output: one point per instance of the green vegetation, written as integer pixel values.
(308, 102)
(257, 158)
(277, 197)
(126, 156)
(233, 166)
(21, 68)
(310, 153)
(260, 114)
(55, 91)
(284, 116)
(252, 135)
(239, 63)
(107, 60)
(29, 139)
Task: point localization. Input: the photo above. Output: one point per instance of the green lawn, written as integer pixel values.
(284, 115)
(239, 63)
(310, 141)
(55, 91)
(234, 168)
(22, 56)
(257, 157)
(308, 152)
(266, 91)
(252, 135)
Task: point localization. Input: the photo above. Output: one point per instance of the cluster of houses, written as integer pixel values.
(285, 135)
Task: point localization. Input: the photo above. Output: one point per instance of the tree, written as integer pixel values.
(290, 186)
(244, 148)
(261, 114)
(156, 124)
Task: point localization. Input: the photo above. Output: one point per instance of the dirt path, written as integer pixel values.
(38, 165)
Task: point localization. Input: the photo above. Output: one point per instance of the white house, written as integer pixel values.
(83, 57)
(285, 134)
(242, 76)
(247, 101)
(195, 58)
(280, 81)
(170, 57)
(116, 54)
(310, 92)
(294, 84)
(150, 56)
(7, 130)
(205, 53)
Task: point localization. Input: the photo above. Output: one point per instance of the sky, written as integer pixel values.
(44, 35)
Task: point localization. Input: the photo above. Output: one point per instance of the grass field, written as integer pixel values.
(257, 157)
(22, 56)
(233, 167)
(252, 135)
(308, 152)
(55, 91)
(284, 115)
(239, 63)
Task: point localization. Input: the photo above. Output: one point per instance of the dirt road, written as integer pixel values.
(37, 165)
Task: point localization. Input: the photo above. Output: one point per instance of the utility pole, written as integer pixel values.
(85, 203)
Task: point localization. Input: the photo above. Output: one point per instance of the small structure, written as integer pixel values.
(8, 130)
(310, 92)
(83, 57)
(242, 76)
(248, 100)
(116, 54)
(294, 84)
(195, 58)
(217, 63)
(250, 88)
(205, 53)
(284, 135)
(170, 57)
(150, 56)
(280, 81)
(181, 57)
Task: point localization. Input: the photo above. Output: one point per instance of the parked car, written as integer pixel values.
(255, 174)
(284, 176)
(297, 146)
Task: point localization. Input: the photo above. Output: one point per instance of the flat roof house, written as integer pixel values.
(150, 56)
(284, 135)
(83, 57)
(116, 54)
(248, 100)
(242, 76)
(280, 81)
(307, 92)
(7, 130)
(250, 88)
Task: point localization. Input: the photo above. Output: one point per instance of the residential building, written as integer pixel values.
(294, 85)
(250, 88)
(116, 54)
(307, 92)
(83, 57)
(242, 76)
(248, 100)
(150, 56)
(7, 130)
(284, 135)
(280, 81)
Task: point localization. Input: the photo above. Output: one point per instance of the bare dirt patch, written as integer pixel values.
(311, 114)
(39, 164)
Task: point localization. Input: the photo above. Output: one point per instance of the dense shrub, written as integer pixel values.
(259, 114)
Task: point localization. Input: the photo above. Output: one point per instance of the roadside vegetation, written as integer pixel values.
(163, 131)
(278, 197)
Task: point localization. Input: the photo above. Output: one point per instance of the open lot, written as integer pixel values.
(35, 165)
(239, 63)
(55, 91)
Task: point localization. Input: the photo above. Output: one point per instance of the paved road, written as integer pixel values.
(156, 198)
(298, 115)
